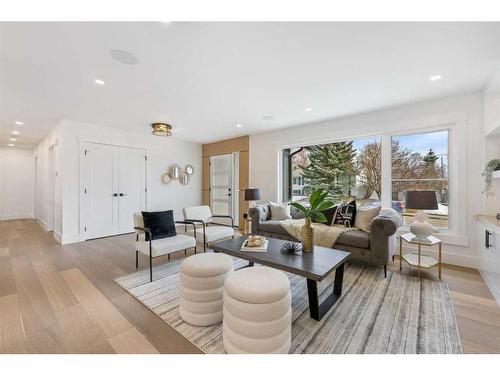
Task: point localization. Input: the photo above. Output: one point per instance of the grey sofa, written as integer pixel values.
(376, 247)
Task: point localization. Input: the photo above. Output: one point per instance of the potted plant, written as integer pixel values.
(491, 166)
(317, 203)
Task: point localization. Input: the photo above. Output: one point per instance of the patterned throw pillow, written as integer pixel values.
(346, 214)
(329, 214)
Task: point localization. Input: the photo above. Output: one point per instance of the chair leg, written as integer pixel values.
(185, 251)
(136, 259)
(150, 269)
(385, 271)
(393, 257)
(169, 257)
(195, 249)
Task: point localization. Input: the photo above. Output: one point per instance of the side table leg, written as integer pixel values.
(439, 261)
(419, 248)
(400, 253)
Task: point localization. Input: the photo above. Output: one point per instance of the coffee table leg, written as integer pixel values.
(317, 311)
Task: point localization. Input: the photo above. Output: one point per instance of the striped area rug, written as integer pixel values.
(397, 314)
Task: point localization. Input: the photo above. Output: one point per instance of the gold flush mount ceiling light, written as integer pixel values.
(162, 129)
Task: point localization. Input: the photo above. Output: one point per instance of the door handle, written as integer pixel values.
(114, 195)
(122, 195)
(487, 242)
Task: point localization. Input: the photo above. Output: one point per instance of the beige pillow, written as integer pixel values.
(280, 211)
(365, 217)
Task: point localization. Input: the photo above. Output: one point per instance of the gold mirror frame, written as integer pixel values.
(175, 171)
(184, 178)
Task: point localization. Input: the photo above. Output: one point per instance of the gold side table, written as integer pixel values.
(417, 259)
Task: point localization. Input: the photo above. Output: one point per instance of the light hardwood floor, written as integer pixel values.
(62, 299)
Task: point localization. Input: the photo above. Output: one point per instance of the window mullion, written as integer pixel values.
(386, 171)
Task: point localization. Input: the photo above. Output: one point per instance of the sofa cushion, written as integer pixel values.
(160, 223)
(355, 238)
(272, 226)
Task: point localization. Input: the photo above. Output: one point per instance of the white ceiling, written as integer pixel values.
(204, 78)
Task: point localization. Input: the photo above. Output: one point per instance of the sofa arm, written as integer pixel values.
(383, 235)
(258, 214)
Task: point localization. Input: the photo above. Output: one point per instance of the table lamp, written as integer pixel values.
(421, 200)
(252, 195)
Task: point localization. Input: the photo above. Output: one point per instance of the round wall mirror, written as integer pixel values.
(165, 178)
(184, 179)
(175, 171)
(189, 169)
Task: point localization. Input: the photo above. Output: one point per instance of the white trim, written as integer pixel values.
(57, 236)
(492, 286)
(28, 215)
(43, 224)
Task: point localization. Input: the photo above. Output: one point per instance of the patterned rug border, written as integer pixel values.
(177, 261)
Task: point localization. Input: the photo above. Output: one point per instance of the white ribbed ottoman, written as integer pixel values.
(257, 311)
(202, 279)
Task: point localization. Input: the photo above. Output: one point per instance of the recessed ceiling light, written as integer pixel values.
(19, 123)
(436, 77)
(100, 82)
(308, 109)
(15, 132)
(239, 125)
(12, 139)
(11, 145)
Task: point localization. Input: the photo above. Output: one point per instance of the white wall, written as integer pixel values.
(16, 183)
(161, 151)
(464, 111)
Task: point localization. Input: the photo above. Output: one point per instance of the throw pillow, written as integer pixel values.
(329, 214)
(280, 211)
(160, 223)
(365, 217)
(346, 214)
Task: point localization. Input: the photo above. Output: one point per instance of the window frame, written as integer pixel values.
(455, 124)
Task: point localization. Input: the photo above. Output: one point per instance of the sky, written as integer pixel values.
(420, 143)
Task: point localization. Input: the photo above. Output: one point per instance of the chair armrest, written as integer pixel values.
(185, 222)
(224, 217)
(148, 236)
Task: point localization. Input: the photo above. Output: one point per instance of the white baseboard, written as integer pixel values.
(17, 216)
(57, 237)
(491, 285)
(43, 224)
(70, 238)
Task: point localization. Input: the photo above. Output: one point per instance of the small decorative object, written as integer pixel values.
(317, 203)
(498, 216)
(291, 247)
(175, 172)
(184, 178)
(421, 200)
(189, 170)
(161, 129)
(256, 244)
(491, 166)
(165, 178)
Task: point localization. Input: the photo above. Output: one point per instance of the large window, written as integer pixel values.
(354, 170)
(420, 163)
(347, 170)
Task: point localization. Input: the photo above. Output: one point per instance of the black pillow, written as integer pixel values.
(329, 214)
(160, 223)
(346, 214)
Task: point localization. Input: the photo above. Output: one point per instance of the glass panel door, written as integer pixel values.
(221, 167)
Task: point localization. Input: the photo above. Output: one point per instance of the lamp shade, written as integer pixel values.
(421, 200)
(252, 194)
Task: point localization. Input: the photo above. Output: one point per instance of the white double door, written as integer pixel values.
(115, 188)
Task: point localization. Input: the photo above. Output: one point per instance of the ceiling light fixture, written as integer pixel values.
(11, 145)
(19, 123)
(13, 139)
(161, 129)
(15, 132)
(436, 77)
(308, 109)
(123, 57)
(239, 125)
(100, 82)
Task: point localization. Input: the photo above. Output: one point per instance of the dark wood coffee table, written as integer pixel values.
(313, 266)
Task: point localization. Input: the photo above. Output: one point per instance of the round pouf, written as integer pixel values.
(257, 311)
(202, 278)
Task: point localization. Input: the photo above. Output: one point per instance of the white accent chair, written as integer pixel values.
(257, 312)
(206, 229)
(202, 279)
(159, 247)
